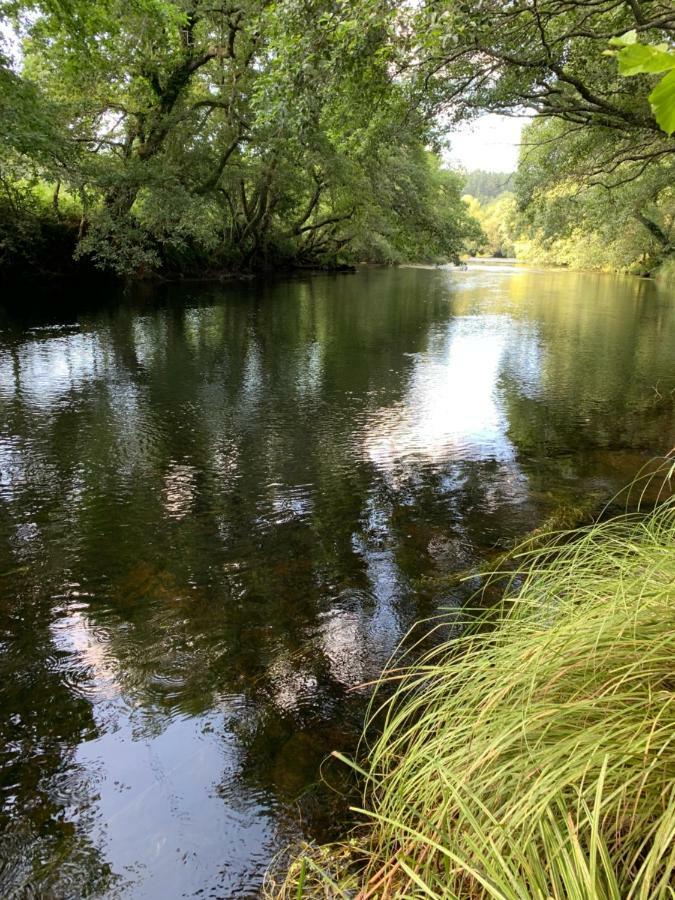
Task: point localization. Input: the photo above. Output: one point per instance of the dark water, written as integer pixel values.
(222, 507)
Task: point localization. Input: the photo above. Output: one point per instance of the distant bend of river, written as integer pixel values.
(222, 507)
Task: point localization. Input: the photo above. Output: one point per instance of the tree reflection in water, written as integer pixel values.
(217, 506)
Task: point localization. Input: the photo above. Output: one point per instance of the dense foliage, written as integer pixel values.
(184, 133)
(191, 134)
(500, 222)
(576, 215)
(597, 167)
(486, 186)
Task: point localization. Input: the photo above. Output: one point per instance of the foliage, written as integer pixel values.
(498, 219)
(534, 757)
(596, 173)
(636, 59)
(200, 134)
(546, 57)
(577, 210)
(29, 141)
(416, 213)
(486, 186)
(197, 134)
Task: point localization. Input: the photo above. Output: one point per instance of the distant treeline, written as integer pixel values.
(485, 186)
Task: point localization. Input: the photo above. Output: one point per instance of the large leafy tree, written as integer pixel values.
(543, 55)
(239, 133)
(578, 211)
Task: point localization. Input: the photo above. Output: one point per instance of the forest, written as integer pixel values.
(191, 136)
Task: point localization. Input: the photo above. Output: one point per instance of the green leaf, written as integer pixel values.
(630, 37)
(638, 58)
(662, 99)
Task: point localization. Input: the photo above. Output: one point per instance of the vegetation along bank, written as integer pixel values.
(533, 756)
(179, 137)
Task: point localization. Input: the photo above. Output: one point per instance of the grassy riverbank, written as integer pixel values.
(534, 758)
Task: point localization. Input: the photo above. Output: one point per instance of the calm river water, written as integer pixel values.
(222, 507)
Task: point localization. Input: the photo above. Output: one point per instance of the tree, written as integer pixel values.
(485, 186)
(575, 213)
(547, 56)
(214, 134)
(498, 221)
(595, 157)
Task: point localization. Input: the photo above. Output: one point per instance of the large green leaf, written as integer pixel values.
(662, 99)
(630, 37)
(637, 58)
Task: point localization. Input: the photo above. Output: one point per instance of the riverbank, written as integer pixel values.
(52, 257)
(663, 274)
(534, 757)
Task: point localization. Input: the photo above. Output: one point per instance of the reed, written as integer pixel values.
(534, 758)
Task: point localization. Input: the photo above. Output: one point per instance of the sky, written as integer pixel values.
(491, 143)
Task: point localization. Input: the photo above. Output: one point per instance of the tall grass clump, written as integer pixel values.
(533, 757)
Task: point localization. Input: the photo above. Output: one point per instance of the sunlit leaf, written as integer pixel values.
(630, 37)
(638, 58)
(662, 99)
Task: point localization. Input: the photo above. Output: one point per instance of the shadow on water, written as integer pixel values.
(218, 505)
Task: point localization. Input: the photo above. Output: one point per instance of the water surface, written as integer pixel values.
(222, 507)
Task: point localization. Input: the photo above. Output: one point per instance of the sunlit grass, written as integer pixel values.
(534, 758)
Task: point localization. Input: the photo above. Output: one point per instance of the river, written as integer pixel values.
(221, 508)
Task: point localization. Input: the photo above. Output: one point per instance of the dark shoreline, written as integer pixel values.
(43, 300)
(88, 275)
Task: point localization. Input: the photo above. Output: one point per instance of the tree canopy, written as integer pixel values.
(187, 135)
(486, 186)
(242, 134)
(594, 183)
